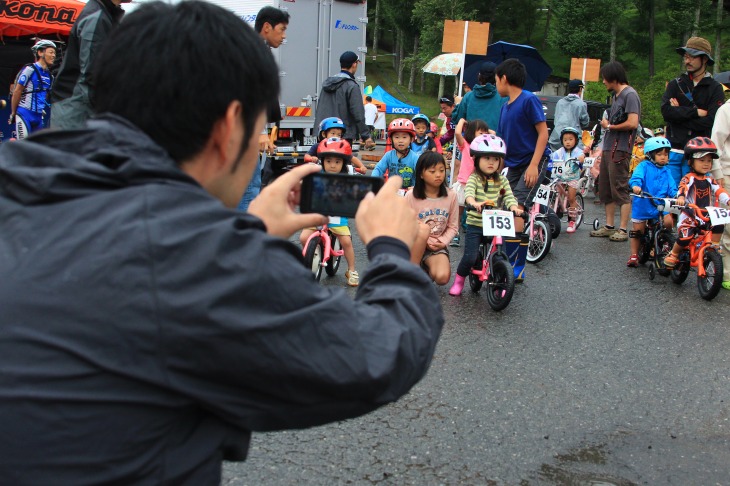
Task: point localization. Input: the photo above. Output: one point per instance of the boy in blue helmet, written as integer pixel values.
(422, 142)
(653, 176)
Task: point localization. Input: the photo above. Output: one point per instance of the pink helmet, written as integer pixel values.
(401, 125)
(487, 144)
(434, 128)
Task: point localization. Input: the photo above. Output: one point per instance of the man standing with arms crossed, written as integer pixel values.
(690, 102)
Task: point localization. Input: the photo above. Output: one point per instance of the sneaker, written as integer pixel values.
(456, 241)
(571, 227)
(633, 261)
(619, 235)
(671, 260)
(353, 278)
(603, 231)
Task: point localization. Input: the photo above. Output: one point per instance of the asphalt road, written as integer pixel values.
(594, 375)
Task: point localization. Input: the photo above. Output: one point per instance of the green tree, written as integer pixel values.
(579, 28)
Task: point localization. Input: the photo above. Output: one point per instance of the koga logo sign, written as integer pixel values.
(408, 111)
(37, 13)
(341, 25)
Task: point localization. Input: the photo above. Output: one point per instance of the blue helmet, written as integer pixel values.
(331, 122)
(424, 119)
(572, 130)
(656, 143)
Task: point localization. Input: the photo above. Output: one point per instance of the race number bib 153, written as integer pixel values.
(498, 223)
(543, 195)
(718, 216)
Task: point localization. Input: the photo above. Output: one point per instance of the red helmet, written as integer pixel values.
(699, 147)
(334, 146)
(401, 125)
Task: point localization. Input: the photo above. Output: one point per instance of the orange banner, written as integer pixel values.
(38, 17)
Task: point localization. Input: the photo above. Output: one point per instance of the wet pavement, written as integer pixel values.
(594, 375)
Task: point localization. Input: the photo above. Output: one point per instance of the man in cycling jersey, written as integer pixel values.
(31, 90)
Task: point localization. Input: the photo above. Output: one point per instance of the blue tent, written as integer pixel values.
(392, 104)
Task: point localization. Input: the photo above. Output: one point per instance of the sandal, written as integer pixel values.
(633, 261)
(619, 235)
(353, 278)
(726, 285)
(671, 260)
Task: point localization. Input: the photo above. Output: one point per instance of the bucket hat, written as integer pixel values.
(697, 46)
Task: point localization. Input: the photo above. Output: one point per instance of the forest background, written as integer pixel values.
(403, 35)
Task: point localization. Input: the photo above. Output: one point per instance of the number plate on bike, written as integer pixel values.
(558, 168)
(588, 162)
(498, 223)
(718, 216)
(543, 195)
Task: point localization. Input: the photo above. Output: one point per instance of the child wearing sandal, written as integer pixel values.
(336, 154)
(698, 188)
(652, 176)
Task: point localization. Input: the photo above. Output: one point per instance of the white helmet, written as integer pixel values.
(487, 144)
(42, 44)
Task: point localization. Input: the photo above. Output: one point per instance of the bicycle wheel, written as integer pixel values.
(663, 243)
(645, 246)
(579, 212)
(539, 244)
(681, 270)
(501, 284)
(474, 281)
(334, 262)
(555, 223)
(313, 257)
(710, 284)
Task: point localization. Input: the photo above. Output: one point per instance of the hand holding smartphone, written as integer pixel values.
(336, 194)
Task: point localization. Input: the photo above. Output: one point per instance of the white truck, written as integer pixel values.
(319, 32)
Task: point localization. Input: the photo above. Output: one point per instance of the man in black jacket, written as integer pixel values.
(73, 87)
(690, 102)
(147, 327)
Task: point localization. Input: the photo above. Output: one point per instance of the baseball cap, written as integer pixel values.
(575, 84)
(487, 68)
(697, 46)
(348, 58)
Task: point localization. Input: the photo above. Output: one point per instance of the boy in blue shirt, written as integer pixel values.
(400, 161)
(523, 128)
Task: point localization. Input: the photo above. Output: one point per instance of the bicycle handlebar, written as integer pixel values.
(486, 207)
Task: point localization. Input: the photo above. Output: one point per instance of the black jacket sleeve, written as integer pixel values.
(253, 338)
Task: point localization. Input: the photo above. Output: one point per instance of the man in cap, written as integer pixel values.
(482, 102)
(570, 111)
(690, 102)
(341, 96)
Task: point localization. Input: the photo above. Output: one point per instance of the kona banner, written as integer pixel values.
(37, 17)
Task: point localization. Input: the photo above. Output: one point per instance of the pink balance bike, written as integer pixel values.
(492, 265)
(322, 250)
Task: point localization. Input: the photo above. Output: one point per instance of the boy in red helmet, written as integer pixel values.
(400, 161)
(699, 188)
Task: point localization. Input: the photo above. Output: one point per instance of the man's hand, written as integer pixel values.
(277, 202)
(11, 120)
(673, 102)
(387, 214)
(531, 176)
(265, 144)
(701, 112)
(604, 123)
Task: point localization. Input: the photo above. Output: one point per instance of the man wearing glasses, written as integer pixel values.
(690, 102)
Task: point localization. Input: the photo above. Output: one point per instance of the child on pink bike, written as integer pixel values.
(335, 155)
(438, 215)
(484, 185)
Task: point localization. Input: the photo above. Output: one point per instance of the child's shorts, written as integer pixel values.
(340, 230)
(460, 191)
(429, 253)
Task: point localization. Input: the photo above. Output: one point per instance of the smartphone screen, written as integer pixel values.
(336, 194)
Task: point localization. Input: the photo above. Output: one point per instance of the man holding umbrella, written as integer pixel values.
(690, 102)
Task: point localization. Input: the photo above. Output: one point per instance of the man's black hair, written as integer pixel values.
(614, 72)
(574, 89)
(513, 70)
(168, 70)
(272, 16)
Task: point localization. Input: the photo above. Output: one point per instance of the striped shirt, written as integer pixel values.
(475, 188)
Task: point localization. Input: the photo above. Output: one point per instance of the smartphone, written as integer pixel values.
(336, 194)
